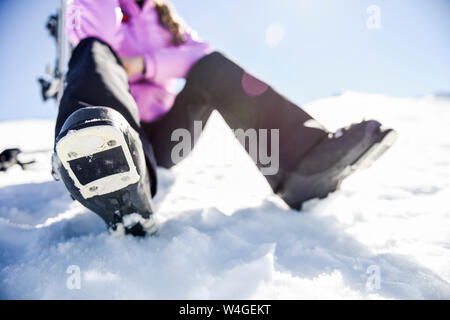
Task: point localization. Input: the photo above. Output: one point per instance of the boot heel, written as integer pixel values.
(97, 159)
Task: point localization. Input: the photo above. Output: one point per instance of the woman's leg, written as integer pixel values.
(96, 78)
(312, 161)
(216, 82)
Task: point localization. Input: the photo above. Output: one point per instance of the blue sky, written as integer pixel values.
(318, 48)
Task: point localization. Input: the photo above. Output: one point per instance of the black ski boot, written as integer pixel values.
(100, 159)
(322, 169)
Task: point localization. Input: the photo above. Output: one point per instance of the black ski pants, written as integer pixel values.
(96, 78)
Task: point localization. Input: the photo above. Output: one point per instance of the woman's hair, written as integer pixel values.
(168, 20)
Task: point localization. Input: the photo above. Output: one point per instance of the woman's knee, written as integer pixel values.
(93, 51)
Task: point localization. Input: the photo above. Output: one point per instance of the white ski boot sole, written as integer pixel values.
(370, 156)
(101, 160)
(97, 159)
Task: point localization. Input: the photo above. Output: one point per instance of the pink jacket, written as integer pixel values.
(140, 35)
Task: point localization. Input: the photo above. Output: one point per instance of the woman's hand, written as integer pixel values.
(134, 65)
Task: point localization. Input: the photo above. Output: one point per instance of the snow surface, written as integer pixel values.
(223, 234)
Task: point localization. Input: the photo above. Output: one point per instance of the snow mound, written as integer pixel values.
(223, 234)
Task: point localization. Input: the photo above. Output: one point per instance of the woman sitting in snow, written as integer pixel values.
(118, 113)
